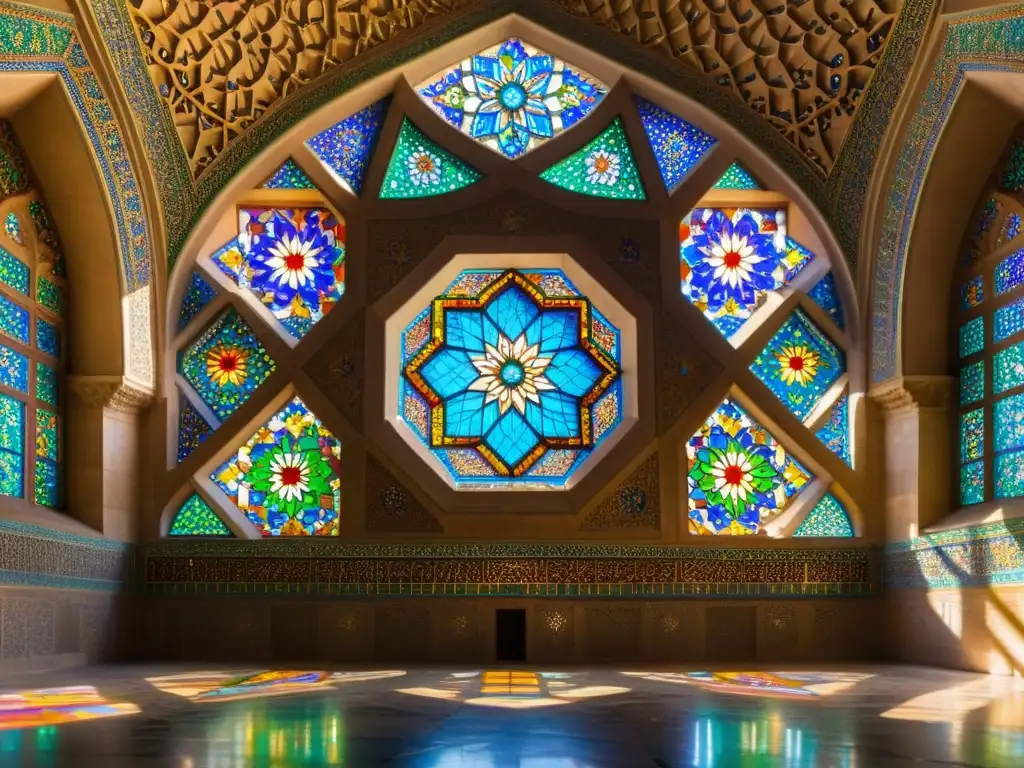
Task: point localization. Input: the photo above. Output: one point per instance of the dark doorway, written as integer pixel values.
(511, 633)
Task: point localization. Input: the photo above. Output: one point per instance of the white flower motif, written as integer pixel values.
(511, 373)
(603, 167)
(293, 261)
(289, 474)
(732, 475)
(424, 168)
(732, 258)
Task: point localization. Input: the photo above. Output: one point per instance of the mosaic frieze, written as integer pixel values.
(34, 556)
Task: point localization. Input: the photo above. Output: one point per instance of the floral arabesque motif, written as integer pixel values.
(512, 97)
(740, 477)
(292, 261)
(504, 380)
(732, 258)
(285, 478)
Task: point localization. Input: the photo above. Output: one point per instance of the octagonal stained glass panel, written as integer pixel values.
(292, 261)
(286, 477)
(511, 377)
(740, 476)
(512, 97)
(731, 259)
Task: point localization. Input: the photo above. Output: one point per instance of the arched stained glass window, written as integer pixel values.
(32, 300)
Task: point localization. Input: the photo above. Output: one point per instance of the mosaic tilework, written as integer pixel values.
(966, 557)
(35, 556)
(346, 147)
(578, 570)
(984, 41)
(604, 167)
(677, 146)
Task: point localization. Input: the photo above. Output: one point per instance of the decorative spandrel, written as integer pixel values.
(286, 478)
(731, 259)
(196, 518)
(828, 519)
(799, 364)
(225, 364)
(678, 146)
(292, 261)
(419, 167)
(511, 377)
(740, 477)
(347, 146)
(603, 168)
(512, 97)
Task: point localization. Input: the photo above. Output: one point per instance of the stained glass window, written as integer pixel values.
(972, 382)
(1008, 320)
(972, 483)
(13, 369)
(292, 261)
(731, 259)
(13, 228)
(47, 388)
(286, 477)
(740, 477)
(603, 168)
(14, 320)
(47, 337)
(198, 294)
(49, 295)
(289, 176)
(1012, 177)
(826, 295)
(14, 272)
(972, 435)
(835, 432)
(345, 148)
(972, 336)
(1008, 369)
(512, 97)
(1010, 475)
(1010, 272)
(799, 364)
(983, 222)
(193, 429)
(196, 518)
(12, 446)
(677, 146)
(47, 486)
(736, 177)
(511, 377)
(828, 518)
(1009, 423)
(972, 293)
(420, 168)
(1009, 230)
(225, 364)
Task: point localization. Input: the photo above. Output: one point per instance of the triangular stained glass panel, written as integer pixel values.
(346, 147)
(603, 168)
(759, 476)
(826, 296)
(286, 477)
(193, 429)
(196, 518)
(827, 519)
(198, 294)
(289, 176)
(512, 97)
(420, 168)
(677, 146)
(737, 177)
(835, 432)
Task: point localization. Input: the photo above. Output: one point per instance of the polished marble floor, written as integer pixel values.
(187, 717)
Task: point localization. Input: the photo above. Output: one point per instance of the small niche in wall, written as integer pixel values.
(510, 634)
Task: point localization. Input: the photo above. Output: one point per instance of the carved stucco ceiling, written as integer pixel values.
(219, 65)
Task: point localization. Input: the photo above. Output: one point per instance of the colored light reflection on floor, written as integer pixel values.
(55, 706)
(756, 683)
(232, 686)
(511, 689)
(1003, 698)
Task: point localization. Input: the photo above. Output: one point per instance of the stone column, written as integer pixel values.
(918, 443)
(104, 453)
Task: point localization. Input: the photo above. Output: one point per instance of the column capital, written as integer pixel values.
(114, 392)
(911, 393)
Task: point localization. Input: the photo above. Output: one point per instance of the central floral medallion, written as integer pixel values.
(511, 376)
